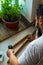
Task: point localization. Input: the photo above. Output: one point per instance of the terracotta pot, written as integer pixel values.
(11, 25)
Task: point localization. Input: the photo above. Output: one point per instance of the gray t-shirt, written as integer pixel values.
(33, 53)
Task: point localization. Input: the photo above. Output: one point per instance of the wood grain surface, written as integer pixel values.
(6, 33)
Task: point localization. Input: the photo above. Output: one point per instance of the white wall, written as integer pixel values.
(31, 6)
(28, 9)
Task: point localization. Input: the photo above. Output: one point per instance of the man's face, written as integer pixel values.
(40, 22)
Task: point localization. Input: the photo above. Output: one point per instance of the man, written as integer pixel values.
(34, 51)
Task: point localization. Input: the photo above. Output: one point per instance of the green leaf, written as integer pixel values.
(10, 12)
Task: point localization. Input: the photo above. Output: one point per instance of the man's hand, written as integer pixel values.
(12, 58)
(9, 52)
(31, 38)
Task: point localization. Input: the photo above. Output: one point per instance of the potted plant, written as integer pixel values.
(10, 13)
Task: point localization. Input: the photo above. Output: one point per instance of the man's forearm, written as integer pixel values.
(13, 60)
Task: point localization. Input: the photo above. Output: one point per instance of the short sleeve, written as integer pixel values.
(30, 56)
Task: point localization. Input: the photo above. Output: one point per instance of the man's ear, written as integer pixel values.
(41, 23)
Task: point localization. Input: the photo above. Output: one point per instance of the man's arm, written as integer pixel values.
(29, 57)
(12, 58)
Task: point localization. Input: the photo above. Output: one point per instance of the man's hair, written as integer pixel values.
(40, 10)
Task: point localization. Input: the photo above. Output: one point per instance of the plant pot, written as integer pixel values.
(11, 25)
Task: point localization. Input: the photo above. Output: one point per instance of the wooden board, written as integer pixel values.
(6, 33)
